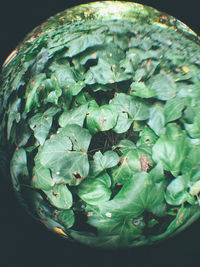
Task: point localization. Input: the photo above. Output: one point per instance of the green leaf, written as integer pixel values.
(57, 153)
(173, 109)
(75, 88)
(74, 116)
(131, 62)
(157, 119)
(122, 230)
(141, 90)
(123, 123)
(105, 72)
(176, 192)
(33, 88)
(100, 118)
(171, 149)
(101, 73)
(134, 107)
(191, 164)
(66, 218)
(85, 41)
(195, 189)
(163, 85)
(53, 89)
(193, 129)
(13, 115)
(125, 146)
(18, 167)
(95, 190)
(59, 196)
(21, 133)
(40, 124)
(137, 194)
(80, 137)
(62, 74)
(147, 136)
(42, 178)
(134, 160)
(40, 61)
(102, 162)
(55, 148)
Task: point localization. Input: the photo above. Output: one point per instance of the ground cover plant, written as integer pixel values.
(100, 120)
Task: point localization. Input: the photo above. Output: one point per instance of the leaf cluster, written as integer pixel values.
(102, 121)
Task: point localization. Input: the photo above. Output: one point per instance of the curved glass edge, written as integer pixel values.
(106, 10)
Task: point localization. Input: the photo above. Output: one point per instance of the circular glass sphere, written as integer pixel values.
(99, 115)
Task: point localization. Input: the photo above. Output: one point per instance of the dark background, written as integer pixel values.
(25, 243)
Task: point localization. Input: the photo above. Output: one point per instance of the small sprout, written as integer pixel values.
(89, 213)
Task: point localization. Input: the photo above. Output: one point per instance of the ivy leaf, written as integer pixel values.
(74, 116)
(75, 88)
(13, 115)
(95, 190)
(101, 73)
(147, 136)
(102, 162)
(40, 124)
(136, 108)
(121, 231)
(123, 123)
(131, 61)
(18, 167)
(53, 89)
(125, 146)
(157, 119)
(136, 195)
(141, 90)
(176, 192)
(134, 160)
(55, 148)
(42, 178)
(85, 41)
(66, 218)
(100, 118)
(62, 73)
(191, 164)
(193, 129)
(79, 136)
(163, 85)
(32, 91)
(40, 61)
(57, 153)
(59, 196)
(171, 149)
(173, 109)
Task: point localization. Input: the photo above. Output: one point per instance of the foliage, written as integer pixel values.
(101, 119)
